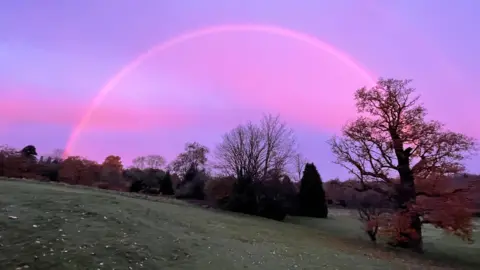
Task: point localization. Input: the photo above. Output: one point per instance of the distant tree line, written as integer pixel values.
(406, 171)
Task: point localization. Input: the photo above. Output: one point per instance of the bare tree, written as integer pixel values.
(299, 163)
(155, 161)
(393, 140)
(256, 150)
(139, 162)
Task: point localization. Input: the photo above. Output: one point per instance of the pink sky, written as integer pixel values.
(199, 89)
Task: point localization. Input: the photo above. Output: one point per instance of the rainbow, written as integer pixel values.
(268, 29)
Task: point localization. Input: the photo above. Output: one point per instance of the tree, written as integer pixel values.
(311, 196)
(112, 170)
(11, 163)
(166, 186)
(150, 161)
(27, 161)
(290, 192)
(392, 139)
(139, 162)
(193, 185)
(155, 161)
(195, 155)
(299, 163)
(113, 162)
(71, 170)
(254, 151)
(218, 190)
(29, 151)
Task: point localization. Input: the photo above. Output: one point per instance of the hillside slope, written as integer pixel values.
(45, 226)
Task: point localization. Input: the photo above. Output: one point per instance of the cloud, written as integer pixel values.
(23, 108)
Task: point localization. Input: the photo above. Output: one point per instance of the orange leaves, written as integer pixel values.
(440, 201)
(78, 171)
(113, 162)
(446, 205)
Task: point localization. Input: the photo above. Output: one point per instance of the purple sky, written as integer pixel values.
(55, 56)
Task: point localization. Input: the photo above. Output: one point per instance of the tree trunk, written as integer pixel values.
(406, 195)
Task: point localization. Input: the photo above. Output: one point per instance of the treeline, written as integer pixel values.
(407, 171)
(272, 197)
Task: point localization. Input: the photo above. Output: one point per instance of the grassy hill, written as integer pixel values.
(48, 226)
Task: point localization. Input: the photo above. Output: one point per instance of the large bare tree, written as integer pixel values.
(392, 142)
(256, 150)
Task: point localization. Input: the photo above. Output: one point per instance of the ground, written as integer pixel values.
(51, 226)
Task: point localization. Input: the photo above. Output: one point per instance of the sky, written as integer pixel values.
(56, 56)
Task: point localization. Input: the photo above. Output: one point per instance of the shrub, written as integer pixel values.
(260, 198)
(192, 187)
(136, 186)
(166, 186)
(217, 190)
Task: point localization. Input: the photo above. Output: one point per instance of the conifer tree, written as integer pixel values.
(311, 196)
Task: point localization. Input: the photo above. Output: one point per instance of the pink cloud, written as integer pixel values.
(23, 107)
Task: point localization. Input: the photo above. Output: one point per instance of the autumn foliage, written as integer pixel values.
(393, 143)
(404, 170)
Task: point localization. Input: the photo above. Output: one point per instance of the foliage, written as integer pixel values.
(166, 186)
(194, 155)
(218, 190)
(393, 139)
(262, 198)
(193, 184)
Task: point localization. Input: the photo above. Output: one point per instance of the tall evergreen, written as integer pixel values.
(311, 197)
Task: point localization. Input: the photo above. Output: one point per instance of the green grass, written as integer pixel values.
(61, 227)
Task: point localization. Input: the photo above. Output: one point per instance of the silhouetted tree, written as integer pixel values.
(166, 186)
(195, 155)
(394, 140)
(254, 151)
(29, 152)
(311, 196)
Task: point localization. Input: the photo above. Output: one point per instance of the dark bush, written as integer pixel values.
(218, 190)
(166, 186)
(261, 198)
(192, 187)
(136, 186)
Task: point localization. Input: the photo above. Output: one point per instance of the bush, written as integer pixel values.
(260, 198)
(217, 190)
(166, 186)
(272, 200)
(192, 187)
(137, 186)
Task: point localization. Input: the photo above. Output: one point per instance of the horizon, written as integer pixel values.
(199, 89)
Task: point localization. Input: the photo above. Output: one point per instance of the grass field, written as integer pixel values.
(48, 226)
